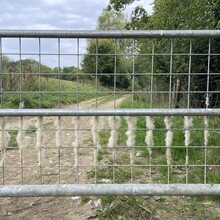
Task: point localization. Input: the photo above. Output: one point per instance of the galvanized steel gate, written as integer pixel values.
(95, 149)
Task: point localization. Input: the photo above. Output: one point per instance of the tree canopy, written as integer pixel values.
(103, 56)
(180, 15)
(111, 20)
(105, 64)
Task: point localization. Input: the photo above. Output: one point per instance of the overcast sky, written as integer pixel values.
(51, 15)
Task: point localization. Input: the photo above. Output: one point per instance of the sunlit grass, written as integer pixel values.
(48, 92)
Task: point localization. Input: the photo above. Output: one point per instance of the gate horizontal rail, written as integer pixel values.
(110, 34)
(109, 112)
(110, 190)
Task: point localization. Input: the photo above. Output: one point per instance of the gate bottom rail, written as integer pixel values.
(109, 189)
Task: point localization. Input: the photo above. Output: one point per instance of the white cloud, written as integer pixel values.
(52, 15)
(54, 2)
(72, 16)
(41, 26)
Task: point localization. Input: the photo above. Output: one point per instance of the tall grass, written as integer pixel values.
(44, 92)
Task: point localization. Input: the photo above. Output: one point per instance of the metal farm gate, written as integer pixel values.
(145, 119)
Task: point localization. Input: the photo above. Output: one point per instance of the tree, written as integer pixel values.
(114, 20)
(213, 13)
(106, 65)
(104, 57)
(69, 73)
(120, 5)
(28, 68)
(184, 14)
(111, 20)
(205, 15)
(139, 19)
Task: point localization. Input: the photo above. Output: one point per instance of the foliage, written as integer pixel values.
(139, 19)
(156, 207)
(185, 12)
(21, 82)
(119, 5)
(127, 207)
(114, 20)
(69, 73)
(104, 59)
(198, 14)
(111, 20)
(27, 66)
(106, 64)
(213, 13)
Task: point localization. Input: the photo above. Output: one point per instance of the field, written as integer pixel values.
(44, 92)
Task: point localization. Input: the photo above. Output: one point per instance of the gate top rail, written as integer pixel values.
(110, 34)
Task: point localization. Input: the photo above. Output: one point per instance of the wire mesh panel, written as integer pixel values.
(109, 113)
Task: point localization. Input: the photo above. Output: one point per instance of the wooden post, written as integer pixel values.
(176, 95)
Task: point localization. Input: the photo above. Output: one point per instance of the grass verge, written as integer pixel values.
(198, 207)
(48, 92)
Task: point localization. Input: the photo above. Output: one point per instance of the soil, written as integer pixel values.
(52, 207)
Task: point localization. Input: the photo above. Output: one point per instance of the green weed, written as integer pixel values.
(13, 142)
(31, 130)
(85, 199)
(124, 208)
(48, 92)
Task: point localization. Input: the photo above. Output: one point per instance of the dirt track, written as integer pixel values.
(50, 208)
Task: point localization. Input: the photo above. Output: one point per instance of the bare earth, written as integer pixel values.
(53, 207)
